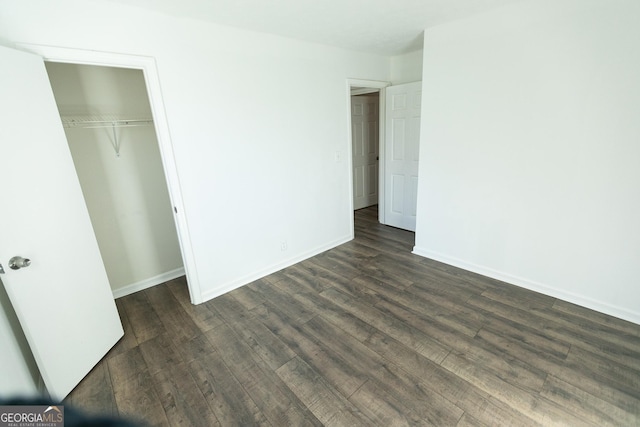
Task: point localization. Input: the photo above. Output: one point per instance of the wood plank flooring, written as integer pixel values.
(367, 334)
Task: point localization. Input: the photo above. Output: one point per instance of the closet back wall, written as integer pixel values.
(126, 195)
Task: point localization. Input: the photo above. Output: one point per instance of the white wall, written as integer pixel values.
(529, 149)
(126, 195)
(406, 68)
(255, 120)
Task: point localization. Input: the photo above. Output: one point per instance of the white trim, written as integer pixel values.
(376, 84)
(619, 312)
(147, 283)
(349, 156)
(382, 165)
(148, 66)
(364, 91)
(372, 86)
(235, 284)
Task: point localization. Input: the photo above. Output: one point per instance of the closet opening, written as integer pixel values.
(109, 124)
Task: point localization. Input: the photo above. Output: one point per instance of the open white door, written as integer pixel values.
(364, 140)
(402, 145)
(63, 299)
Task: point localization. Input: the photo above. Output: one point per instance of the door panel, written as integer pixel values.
(397, 194)
(402, 148)
(365, 143)
(62, 300)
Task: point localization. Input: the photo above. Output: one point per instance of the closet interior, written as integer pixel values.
(109, 126)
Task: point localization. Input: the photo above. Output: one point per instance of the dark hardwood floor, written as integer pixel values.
(367, 334)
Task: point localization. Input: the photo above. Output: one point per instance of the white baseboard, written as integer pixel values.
(228, 287)
(148, 283)
(602, 307)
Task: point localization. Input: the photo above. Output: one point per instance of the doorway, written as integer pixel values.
(160, 124)
(399, 118)
(109, 128)
(356, 87)
(365, 137)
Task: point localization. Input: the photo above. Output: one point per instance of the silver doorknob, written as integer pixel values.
(17, 262)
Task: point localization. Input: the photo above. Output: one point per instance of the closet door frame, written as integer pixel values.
(148, 67)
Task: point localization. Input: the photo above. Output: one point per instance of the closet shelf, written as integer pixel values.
(103, 121)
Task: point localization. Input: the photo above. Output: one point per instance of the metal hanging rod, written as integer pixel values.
(113, 122)
(74, 122)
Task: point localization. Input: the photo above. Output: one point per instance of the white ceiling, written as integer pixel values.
(385, 27)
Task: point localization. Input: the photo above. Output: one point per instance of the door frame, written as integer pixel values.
(147, 65)
(368, 86)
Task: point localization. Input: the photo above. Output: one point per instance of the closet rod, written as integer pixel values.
(88, 124)
(105, 122)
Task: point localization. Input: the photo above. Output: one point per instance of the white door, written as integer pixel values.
(63, 299)
(364, 137)
(401, 154)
